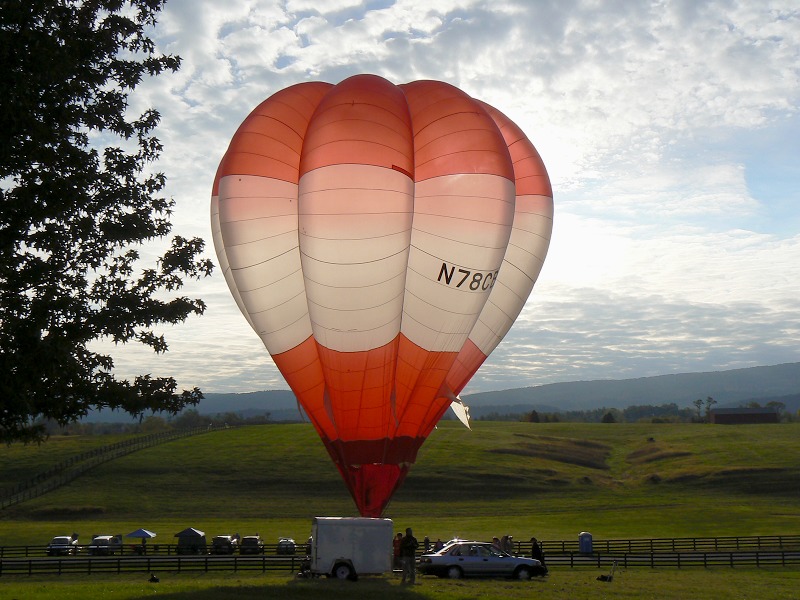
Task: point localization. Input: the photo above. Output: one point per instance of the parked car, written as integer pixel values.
(63, 545)
(105, 545)
(286, 546)
(478, 559)
(251, 544)
(224, 544)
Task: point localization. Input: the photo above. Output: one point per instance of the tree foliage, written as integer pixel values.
(79, 198)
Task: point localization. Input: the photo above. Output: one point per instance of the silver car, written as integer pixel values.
(63, 544)
(478, 559)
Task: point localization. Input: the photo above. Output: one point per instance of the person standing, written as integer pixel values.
(537, 552)
(408, 550)
(396, 542)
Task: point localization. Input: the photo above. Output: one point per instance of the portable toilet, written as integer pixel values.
(585, 542)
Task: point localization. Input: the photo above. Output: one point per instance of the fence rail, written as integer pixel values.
(762, 543)
(133, 549)
(289, 564)
(753, 551)
(146, 564)
(658, 545)
(678, 560)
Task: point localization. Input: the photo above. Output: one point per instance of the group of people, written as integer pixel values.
(506, 544)
(405, 549)
(405, 555)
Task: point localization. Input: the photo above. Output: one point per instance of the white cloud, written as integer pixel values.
(663, 126)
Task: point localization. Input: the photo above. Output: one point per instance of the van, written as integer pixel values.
(105, 545)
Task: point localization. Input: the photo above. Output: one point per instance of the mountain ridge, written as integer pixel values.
(729, 388)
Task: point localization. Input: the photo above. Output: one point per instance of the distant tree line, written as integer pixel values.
(188, 419)
(644, 413)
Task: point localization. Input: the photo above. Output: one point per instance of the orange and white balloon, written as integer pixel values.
(381, 240)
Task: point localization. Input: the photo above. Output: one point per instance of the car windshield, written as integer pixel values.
(60, 540)
(250, 541)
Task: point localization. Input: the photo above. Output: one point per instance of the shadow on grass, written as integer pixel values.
(301, 589)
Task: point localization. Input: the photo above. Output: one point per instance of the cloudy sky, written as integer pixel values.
(669, 128)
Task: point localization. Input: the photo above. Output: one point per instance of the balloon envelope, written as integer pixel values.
(380, 240)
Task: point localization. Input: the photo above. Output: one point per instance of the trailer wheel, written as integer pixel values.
(344, 571)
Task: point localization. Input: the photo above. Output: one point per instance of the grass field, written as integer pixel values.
(548, 480)
(561, 585)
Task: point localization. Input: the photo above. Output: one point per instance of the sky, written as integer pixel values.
(669, 129)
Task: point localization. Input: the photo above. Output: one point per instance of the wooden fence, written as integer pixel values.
(677, 553)
(147, 564)
(704, 544)
(761, 543)
(292, 564)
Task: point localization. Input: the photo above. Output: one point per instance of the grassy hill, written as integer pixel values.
(549, 480)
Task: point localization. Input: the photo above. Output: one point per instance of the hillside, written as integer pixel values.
(620, 480)
(728, 388)
(732, 387)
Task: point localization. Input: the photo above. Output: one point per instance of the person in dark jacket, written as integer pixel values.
(537, 552)
(408, 552)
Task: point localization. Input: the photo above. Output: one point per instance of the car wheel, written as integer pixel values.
(343, 571)
(455, 573)
(523, 573)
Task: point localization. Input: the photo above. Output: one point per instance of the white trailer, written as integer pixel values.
(346, 547)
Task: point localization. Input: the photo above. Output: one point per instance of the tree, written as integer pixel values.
(698, 404)
(532, 417)
(779, 407)
(608, 418)
(709, 403)
(79, 198)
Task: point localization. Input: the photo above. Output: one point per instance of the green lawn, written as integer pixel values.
(548, 480)
(560, 585)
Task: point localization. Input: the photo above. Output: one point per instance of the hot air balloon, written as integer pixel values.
(381, 240)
